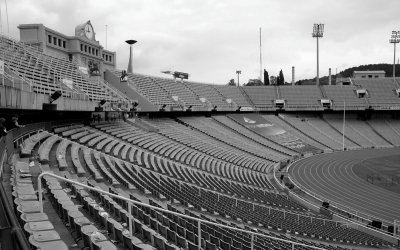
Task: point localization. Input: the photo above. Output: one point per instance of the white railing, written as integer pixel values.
(285, 212)
(130, 202)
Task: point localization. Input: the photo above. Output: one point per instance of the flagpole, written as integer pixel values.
(344, 122)
(261, 78)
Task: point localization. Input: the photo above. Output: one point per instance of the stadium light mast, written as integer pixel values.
(395, 38)
(130, 64)
(238, 72)
(318, 31)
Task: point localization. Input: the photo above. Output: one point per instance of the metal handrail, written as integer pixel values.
(189, 184)
(130, 202)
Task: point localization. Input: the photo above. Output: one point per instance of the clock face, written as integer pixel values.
(89, 33)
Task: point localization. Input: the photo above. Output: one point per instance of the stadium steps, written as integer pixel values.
(323, 93)
(340, 132)
(379, 134)
(278, 94)
(210, 131)
(142, 124)
(271, 147)
(323, 132)
(397, 82)
(125, 157)
(300, 132)
(289, 151)
(247, 97)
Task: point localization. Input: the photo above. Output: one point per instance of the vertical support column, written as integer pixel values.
(293, 75)
(130, 218)
(317, 62)
(199, 233)
(394, 61)
(40, 193)
(130, 63)
(252, 242)
(330, 76)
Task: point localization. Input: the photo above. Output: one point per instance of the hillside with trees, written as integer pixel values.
(388, 68)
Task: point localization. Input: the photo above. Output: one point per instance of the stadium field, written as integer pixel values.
(340, 177)
(383, 172)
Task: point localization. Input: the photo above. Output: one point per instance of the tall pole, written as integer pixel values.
(344, 122)
(394, 61)
(1, 23)
(317, 61)
(106, 36)
(261, 78)
(395, 38)
(318, 31)
(8, 25)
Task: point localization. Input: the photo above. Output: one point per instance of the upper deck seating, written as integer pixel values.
(49, 73)
(179, 90)
(208, 92)
(292, 134)
(149, 89)
(344, 95)
(233, 93)
(301, 97)
(263, 97)
(381, 92)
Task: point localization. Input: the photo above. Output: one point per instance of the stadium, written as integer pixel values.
(96, 157)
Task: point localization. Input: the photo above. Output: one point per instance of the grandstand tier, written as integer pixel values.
(208, 166)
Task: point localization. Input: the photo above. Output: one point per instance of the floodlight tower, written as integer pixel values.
(130, 66)
(238, 72)
(318, 31)
(395, 38)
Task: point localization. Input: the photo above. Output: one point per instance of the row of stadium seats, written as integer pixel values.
(160, 91)
(47, 73)
(189, 196)
(239, 129)
(381, 92)
(190, 190)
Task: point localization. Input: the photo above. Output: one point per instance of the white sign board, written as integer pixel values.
(69, 83)
(84, 70)
(1, 67)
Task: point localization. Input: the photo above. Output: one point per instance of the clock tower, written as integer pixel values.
(86, 31)
(82, 49)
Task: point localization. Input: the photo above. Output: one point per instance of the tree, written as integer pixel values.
(254, 82)
(231, 82)
(280, 79)
(266, 77)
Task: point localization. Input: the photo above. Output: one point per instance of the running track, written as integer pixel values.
(331, 176)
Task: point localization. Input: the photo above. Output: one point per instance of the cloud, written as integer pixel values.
(212, 39)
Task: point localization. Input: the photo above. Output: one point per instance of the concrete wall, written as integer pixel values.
(17, 99)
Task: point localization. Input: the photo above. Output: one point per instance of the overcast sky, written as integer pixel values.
(211, 39)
